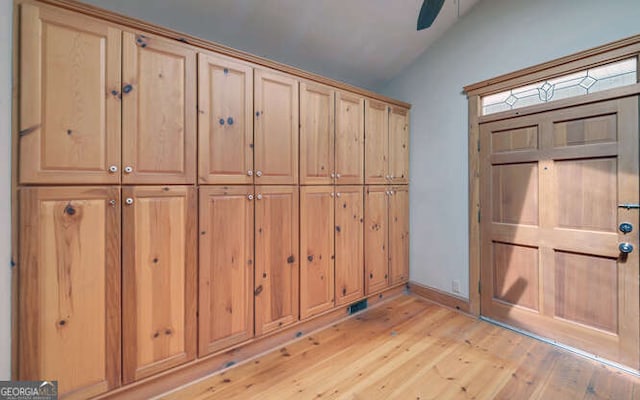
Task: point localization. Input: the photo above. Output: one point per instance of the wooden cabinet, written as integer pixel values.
(226, 267)
(349, 246)
(69, 118)
(70, 288)
(225, 130)
(399, 145)
(398, 234)
(159, 279)
(276, 128)
(317, 134)
(349, 142)
(316, 250)
(159, 110)
(276, 257)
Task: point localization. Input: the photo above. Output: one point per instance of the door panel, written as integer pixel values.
(349, 147)
(70, 288)
(159, 111)
(276, 291)
(69, 118)
(276, 128)
(316, 250)
(376, 128)
(349, 247)
(376, 238)
(317, 108)
(399, 145)
(226, 267)
(399, 234)
(550, 188)
(225, 118)
(159, 279)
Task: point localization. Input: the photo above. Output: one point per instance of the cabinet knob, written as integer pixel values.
(127, 88)
(128, 170)
(338, 194)
(129, 201)
(249, 173)
(391, 177)
(113, 169)
(112, 203)
(258, 173)
(250, 197)
(259, 196)
(332, 194)
(333, 175)
(337, 176)
(230, 121)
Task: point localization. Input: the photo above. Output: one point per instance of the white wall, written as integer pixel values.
(6, 10)
(494, 38)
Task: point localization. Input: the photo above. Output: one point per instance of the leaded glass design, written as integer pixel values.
(592, 80)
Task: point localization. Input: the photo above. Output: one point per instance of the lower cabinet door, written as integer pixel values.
(276, 236)
(349, 244)
(226, 267)
(399, 234)
(159, 279)
(70, 288)
(376, 238)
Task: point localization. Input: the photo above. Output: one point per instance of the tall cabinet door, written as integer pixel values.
(399, 145)
(376, 129)
(317, 108)
(70, 288)
(225, 120)
(276, 128)
(226, 267)
(276, 290)
(316, 250)
(349, 243)
(399, 234)
(349, 139)
(376, 238)
(159, 111)
(69, 104)
(159, 279)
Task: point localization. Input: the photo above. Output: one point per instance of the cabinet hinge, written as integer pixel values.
(478, 145)
(479, 216)
(479, 287)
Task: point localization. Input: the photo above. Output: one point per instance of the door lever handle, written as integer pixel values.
(629, 206)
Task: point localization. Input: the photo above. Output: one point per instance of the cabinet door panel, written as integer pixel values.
(276, 128)
(376, 238)
(226, 267)
(276, 291)
(316, 134)
(70, 288)
(399, 145)
(376, 128)
(399, 234)
(349, 244)
(159, 279)
(316, 250)
(69, 118)
(349, 139)
(159, 110)
(225, 120)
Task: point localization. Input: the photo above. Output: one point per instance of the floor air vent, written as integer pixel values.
(359, 306)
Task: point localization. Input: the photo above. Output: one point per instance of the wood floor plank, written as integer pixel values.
(408, 348)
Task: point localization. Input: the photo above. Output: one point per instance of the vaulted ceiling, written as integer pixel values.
(362, 42)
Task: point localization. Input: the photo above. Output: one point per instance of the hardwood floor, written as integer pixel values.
(409, 348)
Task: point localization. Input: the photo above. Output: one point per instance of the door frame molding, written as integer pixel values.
(605, 54)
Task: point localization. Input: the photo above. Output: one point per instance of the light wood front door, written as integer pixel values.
(376, 238)
(226, 267)
(349, 145)
(70, 288)
(317, 108)
(316, 250)
(276, 128)
(69, 98)
(159, 279)
(551, 188)
(398, 234)
(376, 129)
(276, 283)
(349, 247)
(399, 145)
(225, 117)
(159, 111)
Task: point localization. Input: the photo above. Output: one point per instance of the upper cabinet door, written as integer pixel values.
(159, 111)
(349, 139)
(225, 121)
(159, 279)
(399, 234)
(399, 145)
(376, 131)
(317, 109)
(276, 128)
(70, 288)
(69, 98)
(349, 244)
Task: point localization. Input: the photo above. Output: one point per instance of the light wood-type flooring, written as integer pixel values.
(409, 348)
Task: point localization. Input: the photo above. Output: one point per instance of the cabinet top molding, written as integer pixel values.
(137, 24)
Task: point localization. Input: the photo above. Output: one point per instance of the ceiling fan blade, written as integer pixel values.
(428, 13)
